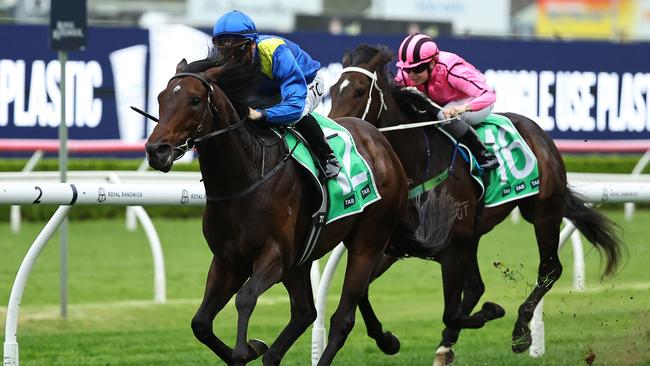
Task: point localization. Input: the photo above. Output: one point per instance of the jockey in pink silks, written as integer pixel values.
(452, 83)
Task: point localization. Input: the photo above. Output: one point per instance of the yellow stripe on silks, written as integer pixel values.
(266, 48)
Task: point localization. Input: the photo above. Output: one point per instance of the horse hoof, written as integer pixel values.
(493, 311)
(521, 339)
(444, 356)
(256, 348)
(388, 343)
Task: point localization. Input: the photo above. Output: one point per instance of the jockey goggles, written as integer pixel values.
(416, 69)
(230, 42)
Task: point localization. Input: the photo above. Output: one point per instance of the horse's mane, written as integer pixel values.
(238, 81)
(413, 103)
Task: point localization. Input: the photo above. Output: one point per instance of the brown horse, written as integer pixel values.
(259, 207)
(365, 90)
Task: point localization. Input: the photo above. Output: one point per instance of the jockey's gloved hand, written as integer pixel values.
(455, 111)
(254, 114)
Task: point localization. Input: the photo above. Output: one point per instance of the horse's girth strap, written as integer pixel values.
(429, 184)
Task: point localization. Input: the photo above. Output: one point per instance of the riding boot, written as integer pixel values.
(311, 131)
(486, 160)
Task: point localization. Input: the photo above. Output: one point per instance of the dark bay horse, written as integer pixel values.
(259, 206)
(365, 90)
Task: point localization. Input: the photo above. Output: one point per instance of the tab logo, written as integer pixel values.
(349, 201)
(365, 191)
(534, 183)
(520, 187)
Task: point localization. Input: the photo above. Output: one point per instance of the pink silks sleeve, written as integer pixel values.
(471, 82)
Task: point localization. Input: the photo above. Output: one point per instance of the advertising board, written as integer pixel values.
(574, 90)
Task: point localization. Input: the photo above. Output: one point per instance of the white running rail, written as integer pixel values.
(68, 194)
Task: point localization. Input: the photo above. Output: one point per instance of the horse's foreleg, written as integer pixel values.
(453, 264)
(460, 273)
(267, 271)
(473, 289)
(386, 341)
(357, 277)
(547, 232)
(303, 314)
(221, 285)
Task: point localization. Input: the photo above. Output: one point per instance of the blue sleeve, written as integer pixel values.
(293, 89)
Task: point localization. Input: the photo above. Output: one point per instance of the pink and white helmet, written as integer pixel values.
(416, 49)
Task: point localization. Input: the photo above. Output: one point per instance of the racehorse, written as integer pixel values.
(365, 90)
(259, 204)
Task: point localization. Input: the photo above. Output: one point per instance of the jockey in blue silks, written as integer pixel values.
(287, 69)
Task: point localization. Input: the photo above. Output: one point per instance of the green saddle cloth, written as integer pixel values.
(517, 175)
(354, 188)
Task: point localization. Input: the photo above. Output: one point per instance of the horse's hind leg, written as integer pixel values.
(386, 341)
(303, 314)
(547, 232)
(267, 271)
(221, 285)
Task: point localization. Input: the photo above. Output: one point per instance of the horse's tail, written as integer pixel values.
(428, 233)
(602, 232)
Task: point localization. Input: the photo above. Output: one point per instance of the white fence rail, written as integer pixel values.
(68, 194)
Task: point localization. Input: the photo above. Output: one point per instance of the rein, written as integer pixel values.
(373, 78)
(407, 126)
(192, 142)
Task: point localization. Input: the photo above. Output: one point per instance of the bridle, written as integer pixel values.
(373, 85)
(191, 142)
(373, 78)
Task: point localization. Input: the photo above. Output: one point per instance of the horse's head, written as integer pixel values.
(357, 92)
(192, 108)
(364, 91)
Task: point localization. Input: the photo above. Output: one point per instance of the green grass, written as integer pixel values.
(112, 320)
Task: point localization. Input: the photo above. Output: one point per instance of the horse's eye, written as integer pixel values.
(360, 92)
(196, 101)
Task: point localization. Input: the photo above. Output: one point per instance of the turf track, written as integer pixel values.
(112, 320)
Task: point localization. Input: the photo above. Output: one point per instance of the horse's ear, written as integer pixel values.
(347, 58)
(181, 65)
(213, 72)
(381, 58)
(386, 54)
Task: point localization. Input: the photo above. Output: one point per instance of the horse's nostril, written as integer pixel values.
(158, 150)
(163, 149)
(159, 156)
